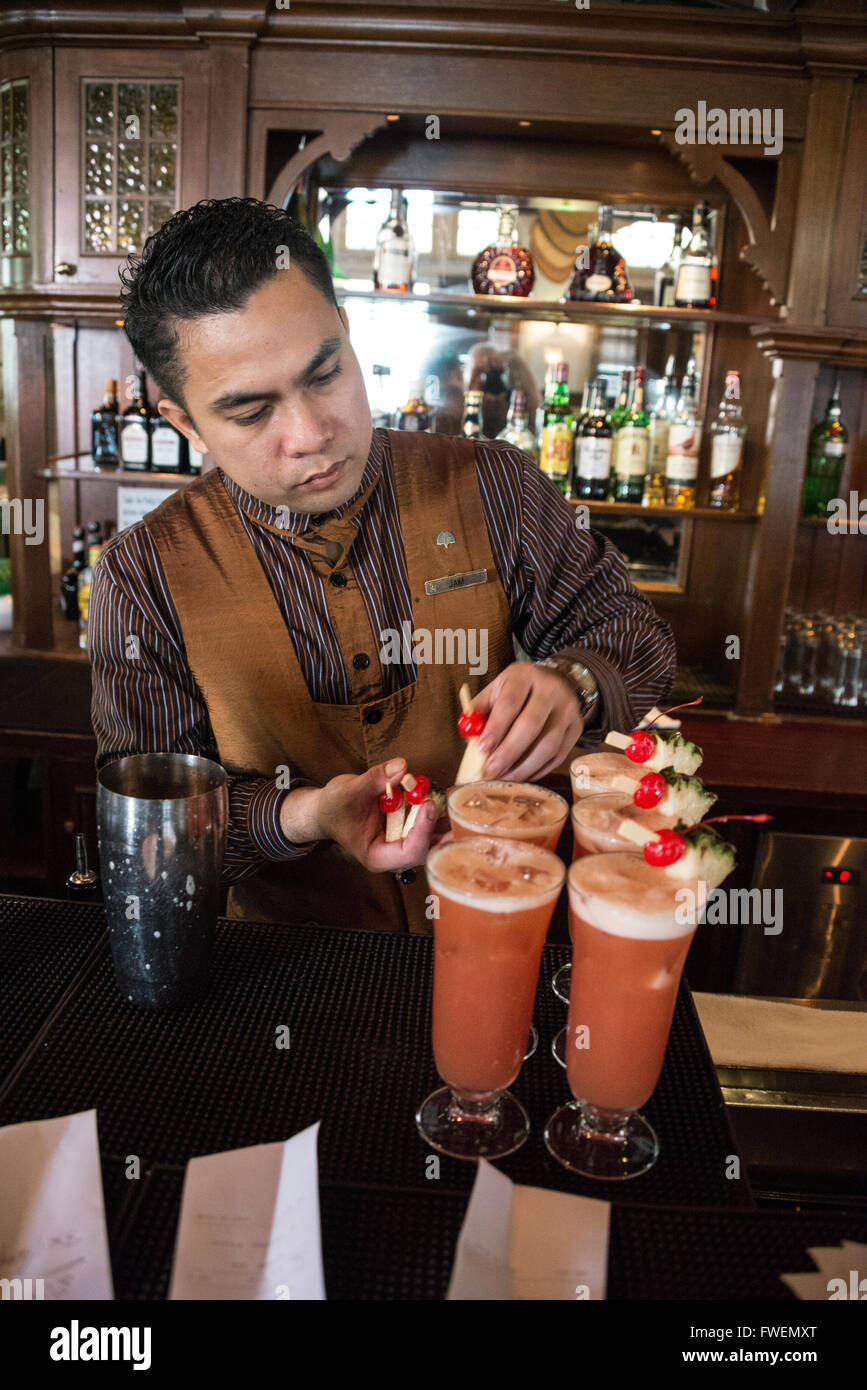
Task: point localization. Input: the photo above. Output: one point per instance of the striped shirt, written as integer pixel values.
(567, 587)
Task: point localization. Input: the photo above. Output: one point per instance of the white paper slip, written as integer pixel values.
(53, 1238)
(249, 1224)
(529, 1243)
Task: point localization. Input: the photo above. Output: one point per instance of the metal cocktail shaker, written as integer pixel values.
(162, 819)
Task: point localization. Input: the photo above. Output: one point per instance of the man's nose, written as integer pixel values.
(306, 429)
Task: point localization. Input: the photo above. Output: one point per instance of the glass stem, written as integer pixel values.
(606, 1122)
(482, 1108)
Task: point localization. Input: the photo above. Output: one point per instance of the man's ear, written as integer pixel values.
(177, 416)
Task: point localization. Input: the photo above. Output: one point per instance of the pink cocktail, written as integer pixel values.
(509, 811)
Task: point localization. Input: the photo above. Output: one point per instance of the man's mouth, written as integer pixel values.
(317, 481)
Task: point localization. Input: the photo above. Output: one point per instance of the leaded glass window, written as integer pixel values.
(14, 168)
(131, 136)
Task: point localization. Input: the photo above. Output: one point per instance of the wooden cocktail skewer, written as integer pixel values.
(473, 761)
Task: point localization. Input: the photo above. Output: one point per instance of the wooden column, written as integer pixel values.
(228, 77)
(789, 417)
(25, 373)
(815, 221)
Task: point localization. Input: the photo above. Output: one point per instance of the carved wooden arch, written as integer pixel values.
(767, 251)
(342, 131)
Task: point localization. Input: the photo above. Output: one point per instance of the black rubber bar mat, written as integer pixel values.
(43, 946)
(357, 1009)
(384, 1245)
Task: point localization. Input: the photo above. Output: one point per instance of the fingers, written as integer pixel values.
(508, 700)
(520, 733)
(403, 854)
(390, 771)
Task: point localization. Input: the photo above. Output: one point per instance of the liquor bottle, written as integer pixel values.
(135, 430)
(69, 581)
(471, 426)
(555, 454)
(517, 428)
(727, 434)
(495, 402)
(593, 465)
(169, 450)
(379, 411)
(617, 415)
(84, 581)
(104, 448)
(393, 256)
(601, 274)
(416, 414)
(695, 277)
(826, 459)
(665, 279)
(632, 447)
(504, 268)
(658, 426)
(684, 442)
(94, 535)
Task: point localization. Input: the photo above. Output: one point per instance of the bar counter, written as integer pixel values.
(171, 1086)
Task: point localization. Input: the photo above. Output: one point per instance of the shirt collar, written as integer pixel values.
(297, 523)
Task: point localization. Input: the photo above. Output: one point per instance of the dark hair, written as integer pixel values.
(208, 259)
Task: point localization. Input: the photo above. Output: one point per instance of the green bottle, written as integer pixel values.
(632, 447)
(555, 454)
(826, 459)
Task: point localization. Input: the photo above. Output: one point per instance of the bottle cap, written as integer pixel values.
(110, 386)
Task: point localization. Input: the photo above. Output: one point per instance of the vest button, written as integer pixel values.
(338, 580)
(407, 876)
(361, 661)
(372, 716)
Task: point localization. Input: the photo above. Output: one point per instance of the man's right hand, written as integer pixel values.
(347, 811)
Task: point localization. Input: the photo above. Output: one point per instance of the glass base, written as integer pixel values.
(600, 1143)
(532, 1042)
(461, 1133)
(562, 982)
(558, 1047)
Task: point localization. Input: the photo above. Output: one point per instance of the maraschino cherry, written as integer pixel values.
(391, 799)
(666, 849)
(416, 794)
(650, 790)
(471, 723)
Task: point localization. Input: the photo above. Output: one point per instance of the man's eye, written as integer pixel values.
(251, 419)
(329, 376)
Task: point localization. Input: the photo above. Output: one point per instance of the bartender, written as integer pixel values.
(271, 614)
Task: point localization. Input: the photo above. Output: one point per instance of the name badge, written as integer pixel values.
(455, 581)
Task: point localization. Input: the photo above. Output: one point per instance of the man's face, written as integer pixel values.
(277, 396)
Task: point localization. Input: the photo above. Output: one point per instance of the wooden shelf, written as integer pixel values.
(552, 311)
(636, 509)
(91, 475)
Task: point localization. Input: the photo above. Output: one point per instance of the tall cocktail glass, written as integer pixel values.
(493, 899)
(591, 774)
(631, 927)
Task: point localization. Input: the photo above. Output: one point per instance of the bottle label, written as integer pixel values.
(409, 420)
(834, 448)
(83, 604)
(502, 270)
(693, 283)
(658, 445)
(394, 265)
(684, 442)
(598, 284)
(725, 455)
(134, 443)
(594, 457)
(556, 450)
(632, 452)
(165, 449)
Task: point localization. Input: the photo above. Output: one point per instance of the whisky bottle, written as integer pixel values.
(684, 442)
(727, 434)
(601, 274)
(555, 454)
(593, 465)
(415, 414)
(393, 257)
(695, 276)
(617, 414)
(504, 268)
(69, 581)
(104, 448)
(169, 450)
(659, 424)
(135, 430)
(517, 428)
(632, 446)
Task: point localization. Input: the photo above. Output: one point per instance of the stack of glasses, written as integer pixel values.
(823, 659)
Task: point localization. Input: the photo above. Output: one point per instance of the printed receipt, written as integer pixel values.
(249, 1226)
(52, 1214)
(527, 1243)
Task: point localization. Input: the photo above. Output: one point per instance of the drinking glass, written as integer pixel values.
(631, 931)
(494, 900)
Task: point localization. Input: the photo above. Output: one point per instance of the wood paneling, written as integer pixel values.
(815, 223)
(25, 382)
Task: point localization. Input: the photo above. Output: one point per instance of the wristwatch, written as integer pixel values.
(581, 681)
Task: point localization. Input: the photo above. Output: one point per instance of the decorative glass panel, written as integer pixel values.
(98, 226)
(98, 169)
(160, 213)
(164, 109)
(14, 166)
(130, 224)
(100, 108)
(131, 111)
(131, 173)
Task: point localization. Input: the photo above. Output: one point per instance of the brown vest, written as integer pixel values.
(261, 711)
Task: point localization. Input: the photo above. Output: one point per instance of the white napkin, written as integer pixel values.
(745, 1032)
(529, 1243)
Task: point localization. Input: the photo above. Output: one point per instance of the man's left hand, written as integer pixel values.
(533, 722)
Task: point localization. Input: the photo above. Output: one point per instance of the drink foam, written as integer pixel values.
(506, 808)
(495, 875)
(625, 896)
(593, 773)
